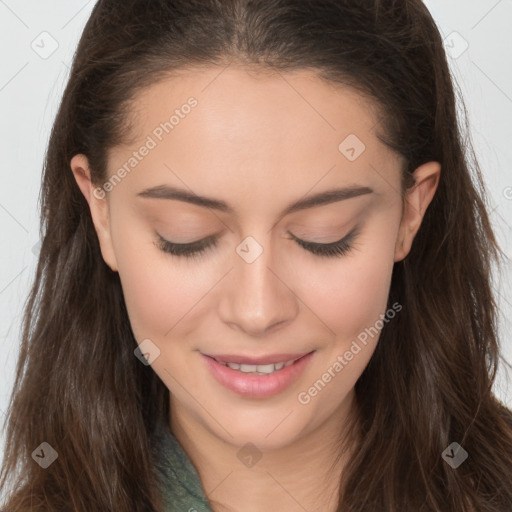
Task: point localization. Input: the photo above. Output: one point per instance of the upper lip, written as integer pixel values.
(270, 358)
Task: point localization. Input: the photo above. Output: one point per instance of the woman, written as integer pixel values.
(264, 280)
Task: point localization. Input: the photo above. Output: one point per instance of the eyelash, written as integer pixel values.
(199, 248)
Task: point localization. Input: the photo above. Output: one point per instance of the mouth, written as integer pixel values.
(258, 380)
(259, 366)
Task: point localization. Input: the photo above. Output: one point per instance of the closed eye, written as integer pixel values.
(338, 248)
(200, 247)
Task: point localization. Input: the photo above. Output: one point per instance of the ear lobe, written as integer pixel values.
(417, 199)
(98, 206)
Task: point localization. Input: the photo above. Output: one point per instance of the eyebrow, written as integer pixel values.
(322, 198)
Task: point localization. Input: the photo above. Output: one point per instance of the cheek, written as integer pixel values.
(350, 298)
(157, 291)
(349, 294)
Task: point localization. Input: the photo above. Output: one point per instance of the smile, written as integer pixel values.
(259, 369)
(257, 380)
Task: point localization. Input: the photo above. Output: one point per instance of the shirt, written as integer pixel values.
(181, 487)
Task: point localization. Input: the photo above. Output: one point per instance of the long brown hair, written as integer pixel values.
(78, 386)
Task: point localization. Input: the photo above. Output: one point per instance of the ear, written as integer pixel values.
(416, 202)
(98, 205)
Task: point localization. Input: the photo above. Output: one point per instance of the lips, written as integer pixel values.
(256, 385)
(268, 359)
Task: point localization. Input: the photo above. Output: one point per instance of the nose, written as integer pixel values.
(257, 297)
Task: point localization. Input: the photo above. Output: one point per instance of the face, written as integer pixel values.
(270, 279)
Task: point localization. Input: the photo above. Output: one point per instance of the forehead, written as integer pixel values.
(232, 129)
(241, 103)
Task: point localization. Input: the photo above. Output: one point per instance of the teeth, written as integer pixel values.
(259, 369)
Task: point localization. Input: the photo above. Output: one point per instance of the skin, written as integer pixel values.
(257, 141)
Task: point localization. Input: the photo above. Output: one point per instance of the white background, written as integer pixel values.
(31, 88)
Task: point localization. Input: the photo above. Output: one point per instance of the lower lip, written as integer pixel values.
(257, 386)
